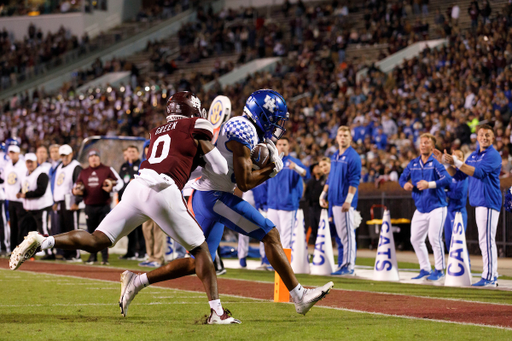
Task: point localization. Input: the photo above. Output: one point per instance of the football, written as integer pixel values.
(109, 182)
(260, 156)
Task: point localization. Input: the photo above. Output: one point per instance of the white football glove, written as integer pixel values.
(274, 157)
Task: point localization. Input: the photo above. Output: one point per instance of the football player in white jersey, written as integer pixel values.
(215, 205)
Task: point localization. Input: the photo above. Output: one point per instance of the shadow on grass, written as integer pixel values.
(53, 318)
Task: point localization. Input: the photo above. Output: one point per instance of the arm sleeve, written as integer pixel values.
(42, 185)
(354, 176)
(114, 176)
(490, 162)
(444, 178)
(406, 175)
(216, 163)
(308, 174)
(76, 173)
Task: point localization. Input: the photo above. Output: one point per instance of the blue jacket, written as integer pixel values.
(428, 199)
(260, 196)
(285, 189)
(485, 182)
(345, 172)
(458, 192)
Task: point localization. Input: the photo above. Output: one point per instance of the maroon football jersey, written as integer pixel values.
(172, 149)
(93, 179)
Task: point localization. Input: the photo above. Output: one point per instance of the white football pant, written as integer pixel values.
(344, 222)
(431, 223)
(285, 222)
(487, 223)
(165, 206)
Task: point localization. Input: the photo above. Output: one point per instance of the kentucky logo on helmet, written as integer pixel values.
(270, 104)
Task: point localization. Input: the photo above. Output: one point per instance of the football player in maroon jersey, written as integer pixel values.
(176, 148)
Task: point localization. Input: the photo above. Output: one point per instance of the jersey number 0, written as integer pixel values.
(166, 140)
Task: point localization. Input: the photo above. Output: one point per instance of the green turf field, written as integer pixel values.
(46, 307)
(469, 294)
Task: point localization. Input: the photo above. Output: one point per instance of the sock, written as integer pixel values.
(48, 243)
(141, 281)
(215, 305)
(297, 292)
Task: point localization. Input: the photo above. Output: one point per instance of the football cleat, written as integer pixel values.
(128, 291)
(226, 318)
(25, 250)
(486, 283)
(311, 296)
(423, 273)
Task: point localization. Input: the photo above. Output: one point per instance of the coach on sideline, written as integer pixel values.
(66, 175)
(94, 184)
(483, 167)
(13, 174)
(428, 181)
(341, 190)
(37, 198)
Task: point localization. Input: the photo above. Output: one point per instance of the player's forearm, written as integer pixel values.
(468, 170)
(451, 170)
(256, 178)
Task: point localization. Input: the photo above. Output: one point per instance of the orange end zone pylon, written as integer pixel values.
(281, 293)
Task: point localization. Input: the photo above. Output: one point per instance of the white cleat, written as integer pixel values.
(311, 296)
(226, 318)
(128, 291)
(25, 250)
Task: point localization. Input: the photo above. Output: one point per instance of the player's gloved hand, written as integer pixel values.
(278, 165)
(274, 157)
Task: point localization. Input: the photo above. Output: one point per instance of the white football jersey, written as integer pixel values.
(238, 129)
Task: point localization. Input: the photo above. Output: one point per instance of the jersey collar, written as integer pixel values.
(430, 158)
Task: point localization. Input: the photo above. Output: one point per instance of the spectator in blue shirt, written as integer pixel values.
(341, 192)
(428, 178)
(284, 192)
(483, 168)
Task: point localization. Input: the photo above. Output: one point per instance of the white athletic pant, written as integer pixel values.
(243, 243)
(344, 222)
(433, 224)
(165, 206)
(285, 222)
(487, 223)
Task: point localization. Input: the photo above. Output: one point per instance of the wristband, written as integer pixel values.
(432, 184)
(323, 196)
(457, 162)
(299, 170)
(349, 198)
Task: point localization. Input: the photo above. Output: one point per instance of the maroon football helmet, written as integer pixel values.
(184, 103)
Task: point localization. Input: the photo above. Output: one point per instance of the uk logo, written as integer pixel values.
(270, 104)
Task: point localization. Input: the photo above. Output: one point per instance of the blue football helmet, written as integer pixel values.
(268, 110)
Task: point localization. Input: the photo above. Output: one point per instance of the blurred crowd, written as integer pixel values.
(446, 91)
(39, 51)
